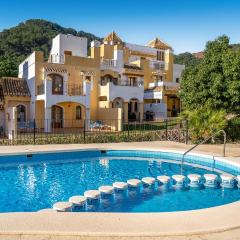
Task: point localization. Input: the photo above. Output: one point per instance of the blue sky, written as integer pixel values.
(184, 24)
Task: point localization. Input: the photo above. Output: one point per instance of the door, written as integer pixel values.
(57, 117)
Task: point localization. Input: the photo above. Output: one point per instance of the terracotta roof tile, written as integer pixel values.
(14, 87)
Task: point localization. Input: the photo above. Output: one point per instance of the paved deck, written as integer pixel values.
(220, 223)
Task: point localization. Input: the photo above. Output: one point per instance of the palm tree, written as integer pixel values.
(204, 121)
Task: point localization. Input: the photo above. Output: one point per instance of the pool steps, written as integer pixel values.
(178, 181)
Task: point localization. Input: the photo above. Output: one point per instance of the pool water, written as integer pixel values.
(27, 186)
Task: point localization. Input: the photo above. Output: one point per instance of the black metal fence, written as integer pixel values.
(103, 131)
(94, 131)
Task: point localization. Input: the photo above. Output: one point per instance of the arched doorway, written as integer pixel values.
(21, 113)
(133, 110)
(57, 116)
(117, 103)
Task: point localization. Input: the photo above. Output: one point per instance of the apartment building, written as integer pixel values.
(115, 81)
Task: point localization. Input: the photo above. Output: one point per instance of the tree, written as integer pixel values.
(186, 59)
(215, 80)
(18, 42)
(8, 67)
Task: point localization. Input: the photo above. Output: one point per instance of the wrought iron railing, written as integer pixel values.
(75, 89)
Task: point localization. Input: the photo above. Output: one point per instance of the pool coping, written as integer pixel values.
(209, 220)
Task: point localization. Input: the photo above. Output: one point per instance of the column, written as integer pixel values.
(140, 105)
(87, 120)
(48, 119)
(125, 112)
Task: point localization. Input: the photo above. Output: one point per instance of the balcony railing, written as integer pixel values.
(122, 82)
(108, 63)
(55, 58)
(157, 65)
(75, 89)
(129, 84)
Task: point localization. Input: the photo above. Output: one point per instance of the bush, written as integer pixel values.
(204, 122)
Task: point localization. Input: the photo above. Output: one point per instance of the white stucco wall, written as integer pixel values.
(126, 92)
(177, 71)
(153, 95)
(27, 70)
(159, 109)
(62, 42)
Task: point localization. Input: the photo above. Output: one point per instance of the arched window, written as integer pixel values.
(57, 84)
(21, 113)
(106, 79)
(117, 103)
(78, 112)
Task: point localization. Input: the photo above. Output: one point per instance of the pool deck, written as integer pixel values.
(220, 223)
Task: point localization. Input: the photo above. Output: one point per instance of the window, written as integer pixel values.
(21, 113)
(177, 80)
(132, 81)
(160, 55)
(57, 84)
(78, 112)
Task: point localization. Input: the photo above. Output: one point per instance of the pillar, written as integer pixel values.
(48, 119)
(87, 120)
(141, 110)
(125, 112)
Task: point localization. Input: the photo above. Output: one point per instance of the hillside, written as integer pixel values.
(187, 59)
(18, 42)
(191, 59)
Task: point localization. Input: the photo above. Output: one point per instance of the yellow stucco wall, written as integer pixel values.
(112, 117)
(69, 115)
(106, 51)
(169, 62)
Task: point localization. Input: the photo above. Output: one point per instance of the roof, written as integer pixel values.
(157, 43)
(132, 66)
(10, 86)
(113, 37)
(199, 55)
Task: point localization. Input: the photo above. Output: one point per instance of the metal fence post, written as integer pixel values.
(84, 131)
(34, 131)
(128, 129)
(186, 135)
(166, 128)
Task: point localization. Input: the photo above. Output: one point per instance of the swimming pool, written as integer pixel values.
(31, 182)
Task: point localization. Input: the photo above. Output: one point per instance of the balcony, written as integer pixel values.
(72, 90)
(123, 90)
(108, 64)
(157, 89)
(55, 58)
(133, 69)
(151, 94)
(158, 66)
(165, 85)
(75, 89)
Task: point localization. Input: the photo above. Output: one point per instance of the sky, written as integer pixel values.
(185, 24)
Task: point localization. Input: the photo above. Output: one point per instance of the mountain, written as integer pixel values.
(190, 59)
(36, 34)
(187, 59)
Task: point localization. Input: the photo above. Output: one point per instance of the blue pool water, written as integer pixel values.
(38, 181)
